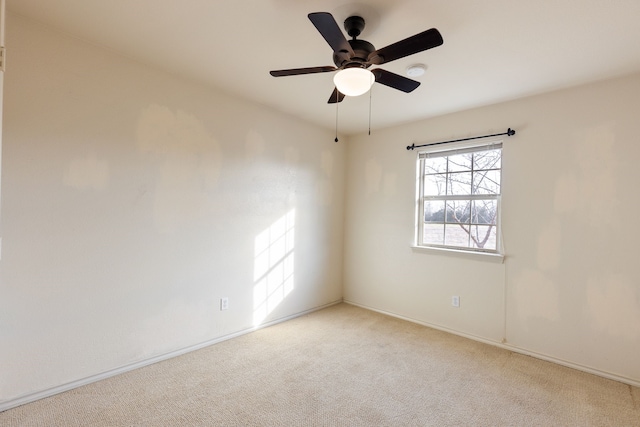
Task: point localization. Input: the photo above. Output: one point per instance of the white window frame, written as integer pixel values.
(446, 150)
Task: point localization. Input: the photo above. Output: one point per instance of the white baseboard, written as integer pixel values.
(509, 347)
(41, 394)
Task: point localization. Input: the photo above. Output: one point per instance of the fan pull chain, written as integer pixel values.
(337, 95)
(370, 90)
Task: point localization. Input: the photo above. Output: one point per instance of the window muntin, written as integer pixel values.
(459, 198)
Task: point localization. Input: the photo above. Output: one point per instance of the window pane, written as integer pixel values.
(433, 234)
(460, 198)
(483, 237)
(435, 185)
(486, 182)
(484, 211)
(460, 162)
(459, 184)
(456, 235)
(435, 165)
(490, 159)
(458, 211)
(434, 211)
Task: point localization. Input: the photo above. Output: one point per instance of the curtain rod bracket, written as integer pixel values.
(509, 132)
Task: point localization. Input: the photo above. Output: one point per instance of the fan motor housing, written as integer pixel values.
(361, 48)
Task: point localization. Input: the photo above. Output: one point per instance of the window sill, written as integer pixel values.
(457, 253)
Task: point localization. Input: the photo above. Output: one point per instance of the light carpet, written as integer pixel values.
(343, 366)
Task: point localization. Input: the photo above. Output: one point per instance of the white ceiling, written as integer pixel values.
(493, 50)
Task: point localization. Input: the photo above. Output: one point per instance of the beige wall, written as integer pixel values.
(133, 200)
(569, 288)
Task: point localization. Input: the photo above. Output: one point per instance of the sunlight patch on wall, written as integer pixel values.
(273, 266)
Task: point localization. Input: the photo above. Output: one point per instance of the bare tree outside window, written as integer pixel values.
(460, 198)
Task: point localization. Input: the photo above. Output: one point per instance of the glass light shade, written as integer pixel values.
(353, 81)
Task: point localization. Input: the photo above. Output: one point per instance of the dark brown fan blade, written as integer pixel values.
(335, 97)
(394, 80)
(414, 44)
(297, 71)
(329, 29)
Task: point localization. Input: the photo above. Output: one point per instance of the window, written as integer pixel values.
(459, 198)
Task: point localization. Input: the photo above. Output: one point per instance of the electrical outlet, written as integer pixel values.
(224, 303)
(455, 301)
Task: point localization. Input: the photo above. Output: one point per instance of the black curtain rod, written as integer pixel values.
(509, 132)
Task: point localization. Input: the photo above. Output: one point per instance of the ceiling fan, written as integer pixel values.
(353, 57)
